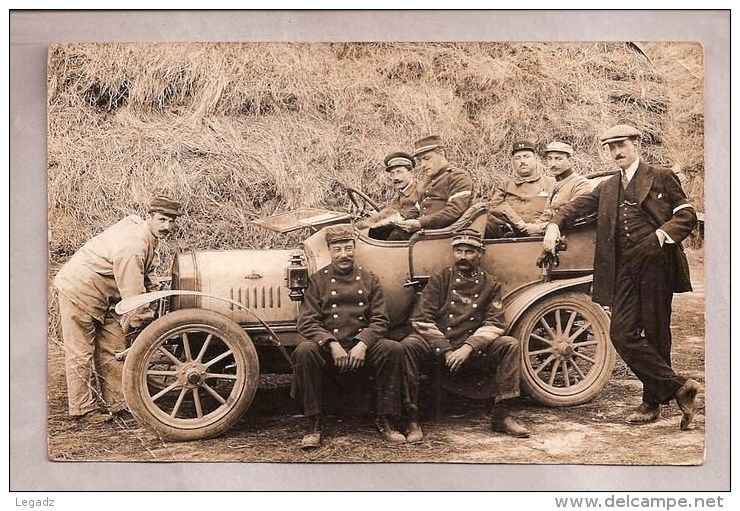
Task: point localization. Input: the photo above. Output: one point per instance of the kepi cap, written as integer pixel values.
(165, 205)
(559, 147)
(398, 159)
(427, 144)
(337, 233)
(619, 132)
(468, 237)
(522, 145)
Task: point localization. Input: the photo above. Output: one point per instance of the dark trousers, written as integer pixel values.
(641, 323)
(384, 360)
(501, 359)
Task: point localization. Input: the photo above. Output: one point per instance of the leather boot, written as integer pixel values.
(413, 429)
(387, 431)
(644, 414)
(687, 402)
(501, 422)
(312, 439)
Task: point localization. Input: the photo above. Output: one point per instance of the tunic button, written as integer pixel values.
(336, 316)
(360, 318)
(438, 350)
(472, 319)
(470, 331)
(333, 280)
(452, 315)
(336, 330)
(449, 328)
(326, 271)
(475, 305)
(476, 296)
(457, 280)
(333, 292)
(333, 305)
(361, 304)
(476, 281)
(359, 291)
(452, 303)
(357, 278)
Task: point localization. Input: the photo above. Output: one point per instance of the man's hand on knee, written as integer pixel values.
(357, 355)
(455, 359)
(340, 356)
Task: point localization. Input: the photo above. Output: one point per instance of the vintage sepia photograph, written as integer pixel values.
(438, 252)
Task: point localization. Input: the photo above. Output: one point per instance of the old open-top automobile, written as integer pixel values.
(229, 315)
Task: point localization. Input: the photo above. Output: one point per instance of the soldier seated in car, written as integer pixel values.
(460, 322)
(403, 206)
(343, 318)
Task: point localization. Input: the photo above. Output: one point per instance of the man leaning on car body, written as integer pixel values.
(344, 320)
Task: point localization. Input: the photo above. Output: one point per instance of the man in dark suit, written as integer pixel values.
(344, 320)
(643, 215)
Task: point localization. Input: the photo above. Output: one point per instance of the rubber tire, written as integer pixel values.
(134, 370)
(595, 382)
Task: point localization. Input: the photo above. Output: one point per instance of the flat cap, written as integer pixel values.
(398, 159)
(468, 237)
(522, 145)
(559, 147)
(619, 132)
(165, 205)
(337, 233)
(427, 144)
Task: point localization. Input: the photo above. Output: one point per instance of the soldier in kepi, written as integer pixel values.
(568, 184)
(518, 204)
(643, 215)
(446, 192)
(460, 321)
(403, 206)
(344, 320)
(115, 264)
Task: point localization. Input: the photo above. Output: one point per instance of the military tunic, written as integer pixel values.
(115, 264)
(521, 200)
(445, 197)
(456, 309)
(348, 308)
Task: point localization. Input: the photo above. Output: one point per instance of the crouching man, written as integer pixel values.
(460, 320)
(344, 320)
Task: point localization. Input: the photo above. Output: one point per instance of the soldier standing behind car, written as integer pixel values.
(344, 319)
(115, 264)
(403, 206)
(643, 215)
(515, 206)
(460, 321)
(568, 184)
(447, 191)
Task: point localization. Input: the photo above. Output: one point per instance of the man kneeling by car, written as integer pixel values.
(344, 319)
(460, 320)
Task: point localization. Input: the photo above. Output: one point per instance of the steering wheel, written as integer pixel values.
(361, 203)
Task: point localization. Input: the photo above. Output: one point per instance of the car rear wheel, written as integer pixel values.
(191, 374)
(567, 356)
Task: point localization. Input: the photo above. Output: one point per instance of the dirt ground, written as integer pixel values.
(593, 433)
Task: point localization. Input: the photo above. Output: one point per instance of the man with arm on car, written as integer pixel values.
(643, 215)
(115, 264)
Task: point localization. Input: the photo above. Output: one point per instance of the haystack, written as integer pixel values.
(241, 131)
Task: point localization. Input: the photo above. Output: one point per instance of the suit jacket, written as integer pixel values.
(455, 310)
(445, 197)
(343, 307)
(660, 196)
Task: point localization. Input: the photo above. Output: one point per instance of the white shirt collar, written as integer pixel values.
(629, 172)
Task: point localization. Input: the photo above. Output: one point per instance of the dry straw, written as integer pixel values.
(240, 131)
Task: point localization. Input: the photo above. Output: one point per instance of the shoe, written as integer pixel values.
(312, 439)
(414, 433)
(687, 402)
(387, 431)
(644, 414)
(94, 417)
(509, 426)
